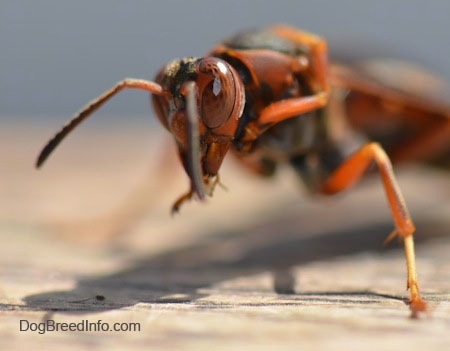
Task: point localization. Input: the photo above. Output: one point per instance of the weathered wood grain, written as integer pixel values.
(259, 266)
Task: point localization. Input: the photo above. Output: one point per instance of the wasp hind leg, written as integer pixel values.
(349, 172)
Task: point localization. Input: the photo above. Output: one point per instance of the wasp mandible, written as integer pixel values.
(266, 97)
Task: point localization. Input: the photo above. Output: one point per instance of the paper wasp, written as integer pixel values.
(269, 96)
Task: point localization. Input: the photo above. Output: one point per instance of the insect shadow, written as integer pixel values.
(186, 274)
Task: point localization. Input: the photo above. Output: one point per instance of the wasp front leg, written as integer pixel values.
(349, 172)
(315, 72)
(318, 52)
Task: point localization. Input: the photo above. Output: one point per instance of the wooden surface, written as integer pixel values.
(260, 266)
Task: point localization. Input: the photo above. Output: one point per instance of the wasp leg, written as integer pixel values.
(317, 72)
(317, 49)
(429, 118)
(182, 199)
(289, 108)
(349, 172)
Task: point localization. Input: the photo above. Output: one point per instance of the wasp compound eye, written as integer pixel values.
(221, 92)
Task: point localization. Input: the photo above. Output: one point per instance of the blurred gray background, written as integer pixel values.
(57, 55)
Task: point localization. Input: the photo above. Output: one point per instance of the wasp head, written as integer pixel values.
(201, 102)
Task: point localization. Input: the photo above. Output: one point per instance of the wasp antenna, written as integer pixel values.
(91, 107)
(193, 139)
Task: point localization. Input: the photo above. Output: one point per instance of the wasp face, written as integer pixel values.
(201, 103)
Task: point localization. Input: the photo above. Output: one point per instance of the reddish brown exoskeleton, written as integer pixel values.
(270, 96)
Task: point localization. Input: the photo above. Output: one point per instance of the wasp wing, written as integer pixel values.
(397, 105)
